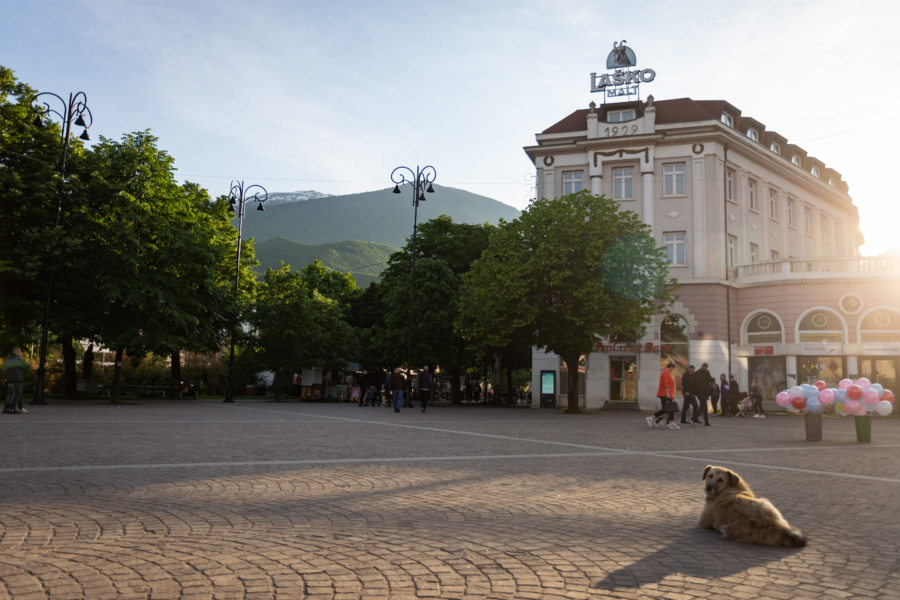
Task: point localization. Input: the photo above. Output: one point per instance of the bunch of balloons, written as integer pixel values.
(860, 397)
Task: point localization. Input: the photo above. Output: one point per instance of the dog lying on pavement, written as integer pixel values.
(734, 511)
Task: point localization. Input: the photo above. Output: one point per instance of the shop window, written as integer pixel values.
(768, 373)
(829, 369)
(821, 326)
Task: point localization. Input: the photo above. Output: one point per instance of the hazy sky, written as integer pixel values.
(332, 95)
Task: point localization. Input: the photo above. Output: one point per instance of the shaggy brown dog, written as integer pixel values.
(733, 510)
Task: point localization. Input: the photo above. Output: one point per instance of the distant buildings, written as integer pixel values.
(763, 239)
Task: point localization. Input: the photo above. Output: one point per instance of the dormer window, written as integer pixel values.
(774, 147)
(753, 134)
(620, 116)
(726, 118)
(796, 160)
(814, 171)
(831, 181)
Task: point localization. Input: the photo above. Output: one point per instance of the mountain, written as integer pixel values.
(380, 216)
(276, 198)
(365, 260)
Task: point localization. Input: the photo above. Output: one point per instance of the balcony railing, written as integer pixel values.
(820, 268)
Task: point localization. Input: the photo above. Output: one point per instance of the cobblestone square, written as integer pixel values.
(260, 499)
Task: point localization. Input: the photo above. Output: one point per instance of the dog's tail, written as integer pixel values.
(793, 538)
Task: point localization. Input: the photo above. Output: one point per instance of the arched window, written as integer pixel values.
(820, 326)
(673, 341)
(880, 324)
(764, 328)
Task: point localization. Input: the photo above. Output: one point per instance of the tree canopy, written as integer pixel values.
(567, 273)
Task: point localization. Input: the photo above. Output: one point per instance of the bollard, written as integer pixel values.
(863, 429)
(813, 427)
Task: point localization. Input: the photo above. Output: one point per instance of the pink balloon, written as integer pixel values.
(844, 384)
(854, 392)
(783, 398)
(870, 396)
(888, 396)
(863, 382)
(826, 396)
(853, 407)
(820, 385)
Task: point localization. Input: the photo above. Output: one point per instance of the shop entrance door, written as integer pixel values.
(623, 379)
(880, 370)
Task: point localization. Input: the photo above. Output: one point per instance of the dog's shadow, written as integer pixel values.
(701, 553)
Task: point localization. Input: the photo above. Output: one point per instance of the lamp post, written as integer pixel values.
(239, 195)
(420, 180)
(74, 112)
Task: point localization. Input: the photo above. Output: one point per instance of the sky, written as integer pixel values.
(332, 95)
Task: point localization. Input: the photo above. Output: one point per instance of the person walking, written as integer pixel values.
(398, 384)
(666, 394)
(734, 397)
(723, 391)
(425, 382)
(702, 381)
(687, 391)
(387, 387)
(756, 397)
(14, 367)
(714, 392)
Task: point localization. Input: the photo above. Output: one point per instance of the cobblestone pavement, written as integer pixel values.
(290, 500)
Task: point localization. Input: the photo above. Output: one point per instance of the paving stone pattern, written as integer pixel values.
(295, 500)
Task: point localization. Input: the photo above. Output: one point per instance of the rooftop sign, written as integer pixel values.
(622, 81)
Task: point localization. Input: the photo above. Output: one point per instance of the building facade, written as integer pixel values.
(762, 238)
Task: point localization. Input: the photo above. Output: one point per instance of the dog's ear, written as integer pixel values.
(706, 470)
(733, 478)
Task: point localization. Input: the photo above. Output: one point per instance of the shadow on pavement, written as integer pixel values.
(695, 553)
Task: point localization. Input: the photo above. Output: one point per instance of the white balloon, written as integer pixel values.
(884, 408)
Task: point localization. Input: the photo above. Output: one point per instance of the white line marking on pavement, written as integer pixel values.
(310, 461)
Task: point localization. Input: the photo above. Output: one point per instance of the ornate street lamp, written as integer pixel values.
(420, 181)
(240, 195)
(74, 112)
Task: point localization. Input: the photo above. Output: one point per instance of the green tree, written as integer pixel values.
(444, 252)
(567, 273)
(154, 272)
(30, 185)
(299, 319)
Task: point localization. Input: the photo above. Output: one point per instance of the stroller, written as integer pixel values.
(737, 404)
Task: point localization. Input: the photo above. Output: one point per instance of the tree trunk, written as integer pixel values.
(455, 375)
(87, 363)
(510, 393)
(70, 368)
(117, 376)
(276, 387)
(176, 375)
(572, 364)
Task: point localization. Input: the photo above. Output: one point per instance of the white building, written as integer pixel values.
(763, 239)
